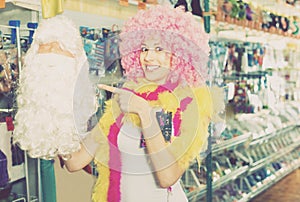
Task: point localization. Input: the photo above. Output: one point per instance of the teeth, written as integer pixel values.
(152, 67)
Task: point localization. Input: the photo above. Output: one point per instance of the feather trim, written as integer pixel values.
(194, 125)
(192, 131)
(114, 162)
(101, 187)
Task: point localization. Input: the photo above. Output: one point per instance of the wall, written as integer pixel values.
(75, 186)
(12, 12)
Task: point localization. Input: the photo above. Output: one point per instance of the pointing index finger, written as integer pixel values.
(108, 88)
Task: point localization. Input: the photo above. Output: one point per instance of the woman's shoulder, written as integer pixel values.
(140, 85)
(191, 91)
(133, 84)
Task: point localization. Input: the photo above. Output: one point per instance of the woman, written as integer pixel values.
(156, 125)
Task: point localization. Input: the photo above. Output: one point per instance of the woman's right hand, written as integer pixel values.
(128, 101)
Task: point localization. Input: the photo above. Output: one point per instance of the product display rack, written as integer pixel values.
(18, 173)
(255, 149)
(232, 172)
(274, 151)
(267, 159)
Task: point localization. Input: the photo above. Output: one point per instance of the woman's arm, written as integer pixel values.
(166, 168)
(79, 159)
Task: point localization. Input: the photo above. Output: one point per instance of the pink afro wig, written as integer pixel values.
(180, 34)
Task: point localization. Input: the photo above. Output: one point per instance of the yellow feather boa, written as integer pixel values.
(186, 147)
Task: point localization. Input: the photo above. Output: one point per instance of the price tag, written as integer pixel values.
(123, 2)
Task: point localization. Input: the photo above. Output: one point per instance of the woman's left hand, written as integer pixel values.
(128, 101)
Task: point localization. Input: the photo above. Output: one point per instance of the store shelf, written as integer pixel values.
(17, 172)
(272, 181)
(279, 7)
(263, 138)
(242, 75)
(286, 142)
(199, 193)
(230, 177)
(261, 163)
(232, 143)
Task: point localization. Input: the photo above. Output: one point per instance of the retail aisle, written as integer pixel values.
(286, 190)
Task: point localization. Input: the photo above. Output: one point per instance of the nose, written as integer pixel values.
(150, 56)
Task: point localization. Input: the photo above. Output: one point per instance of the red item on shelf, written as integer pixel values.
(9, 123)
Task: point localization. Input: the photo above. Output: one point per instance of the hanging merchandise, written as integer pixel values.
(4, 179)
(231, 61)
(294, 26)
(51, 8)
(244, 58)
(33, 26)
(240, 52)
(93, 45)
(17, 154)
(182, 3)
(52, 116)
(5, 75)
(96, 61)
(266, 20)
(9, 69)
(101, 46)
(249, 12)
(216, 60)
(284, 24)
(241, 99)
(269, 58)
(196, 7)
(111, 52)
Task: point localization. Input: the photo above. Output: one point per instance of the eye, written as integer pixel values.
(158, 49)
(144, 49)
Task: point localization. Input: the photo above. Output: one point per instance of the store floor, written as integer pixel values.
(286, 190)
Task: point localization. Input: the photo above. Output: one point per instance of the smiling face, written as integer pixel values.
(155, 61)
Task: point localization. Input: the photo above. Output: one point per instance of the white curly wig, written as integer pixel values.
(54, 104)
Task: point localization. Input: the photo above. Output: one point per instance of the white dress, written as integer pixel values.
(137, 181)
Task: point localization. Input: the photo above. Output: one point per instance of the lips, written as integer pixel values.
(152, 67)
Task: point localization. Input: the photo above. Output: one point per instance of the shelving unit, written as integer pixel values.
(278, 148)
(271, 146)
(264, 147)
(21, 180)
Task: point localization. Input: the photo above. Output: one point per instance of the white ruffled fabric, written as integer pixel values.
(45, 124)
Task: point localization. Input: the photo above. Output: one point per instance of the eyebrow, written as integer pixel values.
(156, 44)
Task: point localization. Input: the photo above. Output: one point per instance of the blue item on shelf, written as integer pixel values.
(251, 180)
(14, 23)
(31, 25)
(276, 165)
